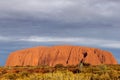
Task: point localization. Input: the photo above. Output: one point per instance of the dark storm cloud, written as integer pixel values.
(58, 29)
(28, 23)
(67, 10)
(58, 15)
(64, 18)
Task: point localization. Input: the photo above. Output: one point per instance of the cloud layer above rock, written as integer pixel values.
(26, 23)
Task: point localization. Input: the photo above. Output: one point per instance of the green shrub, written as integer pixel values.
(75, 70)
(86, 64)
(104, 77)
(24, 74)
(114, 74)
(59, 66)
(11, 76)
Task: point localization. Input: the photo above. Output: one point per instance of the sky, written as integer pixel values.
(29, 23)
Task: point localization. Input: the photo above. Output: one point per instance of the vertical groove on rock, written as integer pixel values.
(41, 56)
(24, 57)
(55, 59)
(69, 55)
(79, 60)
(84, 56)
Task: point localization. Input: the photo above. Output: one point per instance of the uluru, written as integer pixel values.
(63, 54)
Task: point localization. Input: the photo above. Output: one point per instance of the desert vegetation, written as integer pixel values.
(60, 72)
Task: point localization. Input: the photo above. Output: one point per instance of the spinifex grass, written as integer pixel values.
(101, 72)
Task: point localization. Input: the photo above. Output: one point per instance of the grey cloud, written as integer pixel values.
(99, 19)
(32, 7)
(20, 19)
(66, 40)
(57, 29)
(67, 10)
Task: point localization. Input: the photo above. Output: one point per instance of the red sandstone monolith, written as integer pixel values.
(66, 55)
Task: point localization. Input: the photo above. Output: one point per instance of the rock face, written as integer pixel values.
(66, 55)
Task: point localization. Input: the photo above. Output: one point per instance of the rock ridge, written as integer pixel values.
(64, 54)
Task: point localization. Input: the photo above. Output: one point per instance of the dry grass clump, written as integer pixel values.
(60, 72)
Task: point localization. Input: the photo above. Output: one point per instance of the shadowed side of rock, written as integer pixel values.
(66, 55)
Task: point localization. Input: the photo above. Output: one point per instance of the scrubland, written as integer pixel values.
(60, 72)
